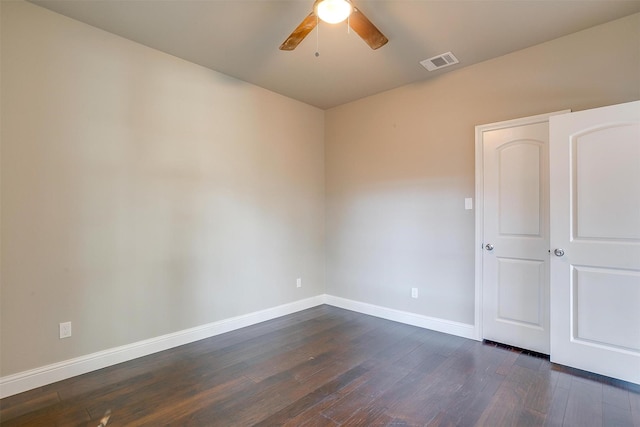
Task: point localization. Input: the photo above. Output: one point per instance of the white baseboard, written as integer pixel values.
(464, 330)
(33, 378)
(28, 380)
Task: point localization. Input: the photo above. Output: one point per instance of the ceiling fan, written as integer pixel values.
(332, 12)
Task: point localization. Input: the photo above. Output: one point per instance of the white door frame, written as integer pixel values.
(479, 238)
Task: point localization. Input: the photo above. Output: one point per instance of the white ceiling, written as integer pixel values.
(241, 37)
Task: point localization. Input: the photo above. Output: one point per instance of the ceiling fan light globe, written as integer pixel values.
(333, 11)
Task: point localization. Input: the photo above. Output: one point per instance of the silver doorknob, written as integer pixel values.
(558, 252)
(489, 246)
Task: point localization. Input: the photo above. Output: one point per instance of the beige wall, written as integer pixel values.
(142, 194)
(399, 164)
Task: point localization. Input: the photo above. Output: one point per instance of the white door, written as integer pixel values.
(595, 223)
(515, 228)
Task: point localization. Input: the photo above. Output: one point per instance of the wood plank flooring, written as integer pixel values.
(331, 367)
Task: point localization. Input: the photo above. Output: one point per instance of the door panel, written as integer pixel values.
(595, 219)
(521, 291)
(597, 292)
(515, 222)
(519, 207)
(596, 193)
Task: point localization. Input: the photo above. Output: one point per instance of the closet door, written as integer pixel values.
(515, 232)
(595, 240)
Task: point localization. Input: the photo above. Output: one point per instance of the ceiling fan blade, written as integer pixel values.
(305, 27)
(366, 30)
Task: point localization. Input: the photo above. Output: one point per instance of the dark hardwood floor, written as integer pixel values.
(331, 367)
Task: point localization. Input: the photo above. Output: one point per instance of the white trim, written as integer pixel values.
(464, 330)
(33, 378)
(479, 163)
(38, 377)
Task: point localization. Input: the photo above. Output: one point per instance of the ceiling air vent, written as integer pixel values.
(439, 61)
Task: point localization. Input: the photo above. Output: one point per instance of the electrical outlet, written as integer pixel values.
(299, 282)
(65, 330)
(414, 292)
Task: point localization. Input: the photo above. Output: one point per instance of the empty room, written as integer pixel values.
(247, 212)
